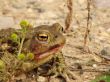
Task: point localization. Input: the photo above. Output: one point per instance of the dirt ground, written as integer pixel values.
(84, 65)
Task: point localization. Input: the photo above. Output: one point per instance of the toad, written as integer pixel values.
(46, 42)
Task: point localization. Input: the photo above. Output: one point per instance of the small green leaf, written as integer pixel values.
(14, 37)
(2, 64)
(24, 24)
(21, 56)
(102, 78)
(30, 56)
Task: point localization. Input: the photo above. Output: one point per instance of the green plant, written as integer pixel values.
(30, 56)
(102, 78)
(15, 38)
(2, 65)
(25, 25)
(21, 56)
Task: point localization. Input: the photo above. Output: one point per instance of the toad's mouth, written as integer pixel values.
(48, 52)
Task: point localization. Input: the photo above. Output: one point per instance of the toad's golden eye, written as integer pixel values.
(42, 37)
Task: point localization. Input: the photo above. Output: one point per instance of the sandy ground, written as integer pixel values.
(50, 11)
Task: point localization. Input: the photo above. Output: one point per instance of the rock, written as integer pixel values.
(18, 4)
(41, 79)
(6, 22)
(31, 1)
(102, 3)
(105, 53)
(81, 1)
(46, 1)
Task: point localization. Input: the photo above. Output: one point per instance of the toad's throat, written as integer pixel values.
(48, 52)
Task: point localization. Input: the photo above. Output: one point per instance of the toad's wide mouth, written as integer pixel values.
(48, 52)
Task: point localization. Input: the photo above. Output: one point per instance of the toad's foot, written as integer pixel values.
(59, 69)
(64, 73)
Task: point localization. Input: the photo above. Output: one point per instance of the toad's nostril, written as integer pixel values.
(56, 36)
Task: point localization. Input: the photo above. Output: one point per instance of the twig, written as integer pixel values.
(68, 19)
(21, 45)
(88, 23)
(74, 58)
(24, 31)
(90, 70)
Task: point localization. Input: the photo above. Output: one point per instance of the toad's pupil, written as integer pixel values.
(43, 36)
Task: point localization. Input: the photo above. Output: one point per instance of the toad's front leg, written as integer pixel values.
(59, 68)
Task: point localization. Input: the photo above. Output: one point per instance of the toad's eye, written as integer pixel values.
(58, 27)
(61, 29)
(42, 37)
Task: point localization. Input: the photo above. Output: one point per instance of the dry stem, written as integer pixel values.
(68, 19)
(88, 23)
